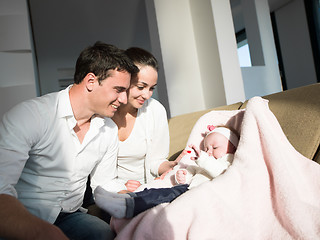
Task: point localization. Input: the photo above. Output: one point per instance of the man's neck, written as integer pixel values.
(78, 105)
(123, 110)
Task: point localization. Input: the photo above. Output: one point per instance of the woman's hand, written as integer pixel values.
(163, 175)
(181, 155)
(166, 166)
(169, 165)
(132, 185)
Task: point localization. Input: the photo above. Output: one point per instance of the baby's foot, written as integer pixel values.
(116, 207)
(99, 190)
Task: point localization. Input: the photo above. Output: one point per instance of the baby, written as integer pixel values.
(219, 143)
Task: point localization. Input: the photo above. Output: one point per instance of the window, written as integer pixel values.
(243, 49)
(244, 54)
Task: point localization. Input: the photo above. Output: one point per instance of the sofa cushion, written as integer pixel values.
(298, 112)
(180, 128)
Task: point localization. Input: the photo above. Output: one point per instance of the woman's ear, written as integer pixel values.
(89, 80)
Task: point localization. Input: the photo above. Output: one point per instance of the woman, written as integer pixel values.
(143, 127)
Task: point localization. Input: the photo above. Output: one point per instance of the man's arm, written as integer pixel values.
(16, 222)
(105, 173)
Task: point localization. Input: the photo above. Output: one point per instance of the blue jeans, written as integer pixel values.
(148, 198)
(83, 226)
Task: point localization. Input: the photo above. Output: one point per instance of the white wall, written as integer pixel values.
(62, 29)
(198, 49)
(161, 89)
(263, 77)
(179, 56)
(17, 80)
(228, 56)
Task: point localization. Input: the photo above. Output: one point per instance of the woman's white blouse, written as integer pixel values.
(141, 154)
(132, 152)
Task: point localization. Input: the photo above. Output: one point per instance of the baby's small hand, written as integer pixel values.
(181, 176)
(196, 150)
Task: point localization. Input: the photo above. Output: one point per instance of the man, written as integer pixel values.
(49, 145)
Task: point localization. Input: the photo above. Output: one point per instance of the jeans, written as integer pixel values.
(148, 198)
(83, 226)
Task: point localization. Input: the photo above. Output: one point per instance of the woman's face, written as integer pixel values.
(142, 86)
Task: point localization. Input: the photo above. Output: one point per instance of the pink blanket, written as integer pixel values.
(270, 192)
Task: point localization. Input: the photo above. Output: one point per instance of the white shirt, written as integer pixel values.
(147, 146)
(132, 152)
(42, 161)
(206, 168)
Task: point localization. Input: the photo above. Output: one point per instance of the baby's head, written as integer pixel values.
(219, 141)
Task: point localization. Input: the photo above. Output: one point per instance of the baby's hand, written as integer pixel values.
(196, 150)
(181, 176)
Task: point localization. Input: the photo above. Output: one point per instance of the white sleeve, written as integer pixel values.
(159, 147)
(105, 173)
(19, 131)
(213, 166)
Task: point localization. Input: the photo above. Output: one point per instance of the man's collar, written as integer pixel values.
(64, 104)
(65, 110)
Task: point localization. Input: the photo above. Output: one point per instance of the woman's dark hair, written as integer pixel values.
(99, 59)
(140, 56)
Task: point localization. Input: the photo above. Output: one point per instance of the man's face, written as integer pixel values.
(108, 96)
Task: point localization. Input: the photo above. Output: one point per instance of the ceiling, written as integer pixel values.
(237, 11)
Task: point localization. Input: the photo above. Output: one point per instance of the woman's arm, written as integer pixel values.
(166, 166)
(158, 143)
(169, 165)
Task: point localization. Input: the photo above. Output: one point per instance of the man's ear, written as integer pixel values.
(89, 80)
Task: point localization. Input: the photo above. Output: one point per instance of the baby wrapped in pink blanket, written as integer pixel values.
(220, 144)
(270, 191)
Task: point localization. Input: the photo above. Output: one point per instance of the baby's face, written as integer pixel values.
(217, 145)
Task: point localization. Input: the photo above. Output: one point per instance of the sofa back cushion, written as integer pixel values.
(298, 112)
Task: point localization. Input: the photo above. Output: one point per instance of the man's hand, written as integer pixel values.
(50, 232)
(18, 223)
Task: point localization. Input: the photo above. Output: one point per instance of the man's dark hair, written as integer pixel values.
(99, 59)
